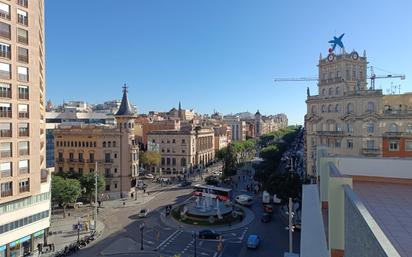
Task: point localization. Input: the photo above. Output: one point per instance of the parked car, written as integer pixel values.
(265, 197)
(266, 217)
(75, 205)
(143, 213)
(149, 176)
(267, 208)
(185, 183)
(209, 234)
(253, 241)
(276, 200)
(245, 200)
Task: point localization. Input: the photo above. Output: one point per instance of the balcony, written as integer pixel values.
(5, 133)
(23, 152)
(371, 151)
(330, 133)
(392, 134)
(91, 161)
(24, 115)
(5, 114)
(5, 94)
(23, 170)
(23, 189)
(108, 175)
(59, 160)
(6, 193)
(24, 133)
(23, 20)
(5, 54)
(108, 161)
(5, 154)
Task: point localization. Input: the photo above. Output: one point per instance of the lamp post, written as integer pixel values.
(141, 227)
(78, 231)
(194, 234)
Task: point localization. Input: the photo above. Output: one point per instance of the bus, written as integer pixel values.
(223, 194)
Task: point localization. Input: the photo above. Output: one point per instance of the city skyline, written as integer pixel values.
(179, 51)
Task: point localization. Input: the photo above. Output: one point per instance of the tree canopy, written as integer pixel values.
(64, 191)
(87, 182)
(149, 158)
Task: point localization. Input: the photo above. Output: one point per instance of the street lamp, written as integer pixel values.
(141, 227)
(194, 234)
(78, 231)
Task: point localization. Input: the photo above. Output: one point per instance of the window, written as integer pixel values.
(5, 169)
(5, 90)
(81, 157)
(408, 145)
(349, 144)
(393, 127)
(5, 150)
(163, 161)
(107, 157)
(409, 128)
(337, 108)
(107, 187)
(5, 110)
(5, 129)
(24, 166)
(167, 161)
(5, 71)
(349, 108)
(23, 110)
(337, 143)
(23, 74)
(23, 3)
(115, 185)
(370, 107)
(323, 108)
(114, 143)
(22, 35)
(22, 17)
(337, 91)
(349, 127)
(5, 11)
(183, 162)
(23, 54)
(23, 129)
(330, 91)
(324, 91)
(370, 144)
(174, 161)
(23, 148)
(183, 141)
(6, 190)
(24, 186)
(91, 157)
(330, 108)
(370, 127)
(173, 141)
(313, 109)
(23, 93)
(5, 50)
(109, 144)
(394, 146)
(5, 30)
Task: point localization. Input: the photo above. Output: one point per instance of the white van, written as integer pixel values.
(265, 197)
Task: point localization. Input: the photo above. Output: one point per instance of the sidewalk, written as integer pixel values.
(61, 231)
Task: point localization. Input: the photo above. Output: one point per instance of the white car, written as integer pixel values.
(217, 173)
(143, 213)
(245, 200)
(149, 176)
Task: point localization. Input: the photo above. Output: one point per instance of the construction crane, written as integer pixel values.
(372, 78)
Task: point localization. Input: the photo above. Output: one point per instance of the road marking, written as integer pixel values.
(167, 239)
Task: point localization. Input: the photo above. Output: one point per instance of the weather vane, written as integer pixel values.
(336, 41)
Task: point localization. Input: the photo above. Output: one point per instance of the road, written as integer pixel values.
(123, 237)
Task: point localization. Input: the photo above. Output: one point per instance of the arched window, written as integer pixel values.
(313, 109)
(349, 108)
(393, 127)
(324, 91)
(183, 162)
(323, 108)
(370, 107)
(114, 143)
(109, 144)
(330, 91)
(337, 91)
(337, 108)
(349, 127)
(370, 127)
(104, 143)
(330, 108)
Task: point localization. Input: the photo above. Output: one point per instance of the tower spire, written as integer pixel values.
(180, 106)
(125, 109)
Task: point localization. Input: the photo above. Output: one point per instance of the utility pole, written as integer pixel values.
(290, 226)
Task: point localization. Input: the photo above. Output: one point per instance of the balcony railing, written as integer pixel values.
(5, 114)
(23, 189)
(5, 133)
(91, 161)
(108, 160)
(108, 175)
(20, 39)
(5, 15)
(24, 152)
(392, 134)
(5, 34)
(24, 133)
(59, 160)
(330, 133)
(5, 153)
(5, 54)
(397, 112)
(23, 3)
(5, 94)
(371, 151)
(24, 20)
(24, 115)
(6, 193)
(23, 170)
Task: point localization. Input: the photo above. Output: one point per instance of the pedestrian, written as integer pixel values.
(144, 191)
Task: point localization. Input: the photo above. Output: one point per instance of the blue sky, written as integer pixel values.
(214, 54)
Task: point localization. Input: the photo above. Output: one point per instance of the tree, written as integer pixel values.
(87, 183)
(229, 161)
(150, 159)
(64, 191)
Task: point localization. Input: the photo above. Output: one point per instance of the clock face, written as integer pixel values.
(331, 57)
(355, 55)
